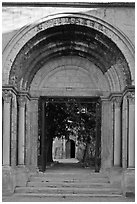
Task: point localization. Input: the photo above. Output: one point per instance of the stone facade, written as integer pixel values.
(87, 54)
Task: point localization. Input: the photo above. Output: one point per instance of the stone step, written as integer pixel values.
(66, 190)
(68, 179)
(67, 184)
(82, 195)
(61, 174)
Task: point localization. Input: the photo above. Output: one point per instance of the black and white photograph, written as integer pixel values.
(68, 101)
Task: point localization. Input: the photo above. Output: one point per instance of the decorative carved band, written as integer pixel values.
(7, 96)
(117, 101)
(70, 20)
(131, 97)
(22, 101)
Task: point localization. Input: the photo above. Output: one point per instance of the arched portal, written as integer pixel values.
(69, 55)
(39, 34)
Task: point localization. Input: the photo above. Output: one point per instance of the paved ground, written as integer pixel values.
(64, 166)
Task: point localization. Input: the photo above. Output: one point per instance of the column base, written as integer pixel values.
(22, 175)
(33, 169)
(115, 176)
(8, 180)
(128, 182)
(106, 164)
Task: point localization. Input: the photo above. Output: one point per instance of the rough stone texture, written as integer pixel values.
(128, 182)
(22, 175)
(115, 176)
(8, 180)
(38, 199)
(122, 18)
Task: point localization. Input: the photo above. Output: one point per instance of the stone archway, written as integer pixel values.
(47, 58)
(28, 33)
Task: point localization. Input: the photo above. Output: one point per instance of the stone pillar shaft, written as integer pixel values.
(124, 132)
(6, 127)
(64, 148)
(106, 134)
(21, 133)
(131, 134)
(117, 133)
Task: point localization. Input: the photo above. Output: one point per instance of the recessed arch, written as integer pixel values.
(73, 73)
(31, 39)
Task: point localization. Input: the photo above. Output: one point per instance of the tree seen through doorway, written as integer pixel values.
(71, 117)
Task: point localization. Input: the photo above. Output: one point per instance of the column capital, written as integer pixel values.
(7, 96)
(131, 97)
(22, 101)
(117, 101)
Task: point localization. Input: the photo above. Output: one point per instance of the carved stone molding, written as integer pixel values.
(7, 96)
(70, 20)
(131, 98)
(117, 101)
(22, 101)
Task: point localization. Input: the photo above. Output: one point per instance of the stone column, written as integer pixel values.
(117, 132)
(106, 134)
(64, 147)
(6, 127)
(131, 131)
(124, 131)
(21, 130)
(34, 133)
(14, 131)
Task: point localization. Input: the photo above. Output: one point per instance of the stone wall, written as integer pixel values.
(15, 18)
(121, 18)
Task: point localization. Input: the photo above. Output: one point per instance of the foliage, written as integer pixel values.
(71, 117)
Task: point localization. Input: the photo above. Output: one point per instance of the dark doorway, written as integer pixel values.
(62, 117)
(68, 149)
(72, 148)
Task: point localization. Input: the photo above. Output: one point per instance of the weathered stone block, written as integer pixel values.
(128, 182)
(115, 176)
(8, 180)
(22, 175)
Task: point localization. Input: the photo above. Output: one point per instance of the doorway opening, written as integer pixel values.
(70, 149)
(69, 128)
